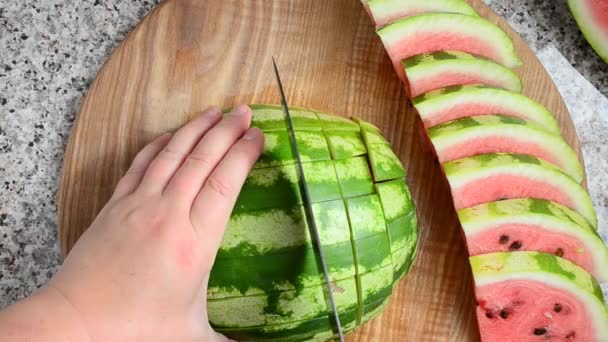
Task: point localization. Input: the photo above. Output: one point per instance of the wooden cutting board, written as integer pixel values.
(190, 54)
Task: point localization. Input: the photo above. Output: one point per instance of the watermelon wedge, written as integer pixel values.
(592, 18)
(529, 224)
(457, 102)
(499, 176)
(433, 32)
(436, 70)
(498, 133)
(384, 12)
(265, 284)
(531, 296)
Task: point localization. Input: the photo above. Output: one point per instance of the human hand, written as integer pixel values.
(140, 271)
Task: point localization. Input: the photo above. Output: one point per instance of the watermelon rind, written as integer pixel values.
(266, 264)
(466, 68)
(434, 24)
(472, 169)
(516, 136)
(384, 12)
(499, 101)
(549, 215)
(589, 25)
(549, 270)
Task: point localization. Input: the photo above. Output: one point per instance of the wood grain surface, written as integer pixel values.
(190, 54)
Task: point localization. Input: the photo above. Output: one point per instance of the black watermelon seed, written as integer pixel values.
(489, 314)
(557, 307)
(503, 239)
(559, 252)
(504, 314)
(540, 331)
(515, 245)
(571, 335)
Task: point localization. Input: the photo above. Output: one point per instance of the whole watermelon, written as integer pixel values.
(266, 284)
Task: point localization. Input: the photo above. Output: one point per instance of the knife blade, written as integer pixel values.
(310, 217)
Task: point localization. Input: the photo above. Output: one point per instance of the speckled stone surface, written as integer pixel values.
(52, 50)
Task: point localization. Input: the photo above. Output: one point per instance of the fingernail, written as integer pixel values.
(241, 110)
(251, 134)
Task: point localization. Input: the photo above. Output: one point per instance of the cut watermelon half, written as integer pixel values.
(499, 176)
(384, 12)
(441, 69)
(531, 296)
(457, 102)
(432, 32)
(592, 18)
(498, 133)
(530, 224)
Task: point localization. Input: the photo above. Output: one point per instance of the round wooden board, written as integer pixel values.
(190, 54)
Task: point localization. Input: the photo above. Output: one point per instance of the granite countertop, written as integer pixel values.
(51, 53)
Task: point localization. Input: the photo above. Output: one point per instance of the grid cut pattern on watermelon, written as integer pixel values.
(343, 170)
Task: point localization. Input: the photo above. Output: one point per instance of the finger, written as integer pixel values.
(129, 182)
(189, 179)
(213, 205)
(171, 157)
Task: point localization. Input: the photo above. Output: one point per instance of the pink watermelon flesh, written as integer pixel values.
(528, 237)
(600, 13)
(451, 79)
(525, 310)
(426, 42)
(502, 186)
(495, 144)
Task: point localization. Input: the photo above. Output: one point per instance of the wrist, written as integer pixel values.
(45, 315)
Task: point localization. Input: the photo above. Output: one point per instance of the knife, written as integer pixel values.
(310, 217)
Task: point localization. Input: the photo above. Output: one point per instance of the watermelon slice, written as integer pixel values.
(384, 12)
(530, 224)
(498, 133)
(436, 70)
(592, 18)
(531, 296)
(265, 284)
(433, 32)
(456, 102)
(495, 176)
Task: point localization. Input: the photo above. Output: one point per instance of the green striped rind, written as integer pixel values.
(433, 64)
(316, 329)
(445, 98)
(277, 149)
(345, 144)
(466, 170)
(548, 269)
(272, 118)
(354, 177)
(384, 162)
(466, 25)
(266, 265)
(470, 128)
(546, 214)
(387, 11)
(594, 33)
(281, 307)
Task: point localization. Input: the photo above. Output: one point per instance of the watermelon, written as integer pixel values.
(433, 32)
(384, 12)
(436, 70)
(499, 133)
(532, 296)
(530, 224)
(457, 102)
(495, 176)
(266, 284)
(592, 18)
